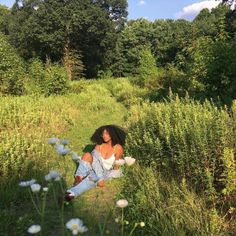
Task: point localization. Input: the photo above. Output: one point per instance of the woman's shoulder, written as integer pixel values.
(118, 147)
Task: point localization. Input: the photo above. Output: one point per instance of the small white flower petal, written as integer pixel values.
(35, 187)
(76, 225)
(53, 140)
(45, 189)
(23, 184)
(129, 161)
(58, 178)
(75, 157)
(120, 162)
(27, 183)
(75, 231)
(48, 177)
(142, 224)
(122, 203)
(53, 174)
(34, 229)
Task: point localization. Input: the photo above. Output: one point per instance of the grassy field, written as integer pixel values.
(27, 124)
(159, 194)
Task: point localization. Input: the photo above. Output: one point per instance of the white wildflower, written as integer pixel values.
(52, 175)
(120, 162)
(61, 149)
(142, 224)
(48, 177)
(76, 226)
(34, 229)
(53, 140)
(65, 141)
(35, 187)
(27, 183)
(75, 157)
(129, 161)
(122, 203)
(58, 178)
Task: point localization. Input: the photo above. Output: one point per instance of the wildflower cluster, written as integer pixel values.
(123, 203)
(61, 148)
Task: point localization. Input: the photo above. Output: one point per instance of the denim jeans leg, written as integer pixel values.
(98, 168)
(83, 169)
(85, 185)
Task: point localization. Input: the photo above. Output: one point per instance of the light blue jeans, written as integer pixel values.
(92, 173)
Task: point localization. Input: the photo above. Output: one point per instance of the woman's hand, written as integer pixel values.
(101, 183)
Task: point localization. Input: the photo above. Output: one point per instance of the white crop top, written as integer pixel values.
(108, 162)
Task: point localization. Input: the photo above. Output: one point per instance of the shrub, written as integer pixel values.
(187, 140)
(56, 80)
(36, 77)
(11, 69)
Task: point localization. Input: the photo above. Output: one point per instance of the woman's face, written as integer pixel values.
(106, 136)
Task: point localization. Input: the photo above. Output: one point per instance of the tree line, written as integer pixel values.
(94, 39)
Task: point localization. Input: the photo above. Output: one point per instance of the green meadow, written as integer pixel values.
(181, 183)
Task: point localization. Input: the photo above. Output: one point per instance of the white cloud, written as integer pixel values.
(190, 11)
(142, 2)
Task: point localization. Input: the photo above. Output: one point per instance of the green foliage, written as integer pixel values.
(89, 27)
(167, 208)
(11, 69)
(104, 74)
(4, 18)
(56, 80)
(213, 66)
(174, 79)
(169, 39)
(147, 64)
(135, 37)
(209, 23)
(36, 77)
(184, 139)
(73, 65)
(46, 79)
(27, 122)
(127, 93)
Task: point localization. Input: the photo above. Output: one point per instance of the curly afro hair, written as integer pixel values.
(117, 134)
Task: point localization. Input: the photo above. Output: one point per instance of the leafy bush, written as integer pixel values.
(187, 140)
(147, 64)
(46, 79)
(36, 77)
(11, 69)
(56, 80)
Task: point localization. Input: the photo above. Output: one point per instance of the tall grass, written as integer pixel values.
(182, 147)
(26, 124)
(168, 207)
(123, 89)
(186, 140)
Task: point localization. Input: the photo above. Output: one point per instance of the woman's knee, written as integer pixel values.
(87, 157)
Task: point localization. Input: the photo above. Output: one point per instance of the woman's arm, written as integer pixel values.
(118, 154)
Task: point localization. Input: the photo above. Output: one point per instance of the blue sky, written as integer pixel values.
(160, 9)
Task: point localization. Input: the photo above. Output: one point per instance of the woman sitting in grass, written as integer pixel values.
(99, 165)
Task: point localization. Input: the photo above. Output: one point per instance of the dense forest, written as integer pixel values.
(93, 39)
